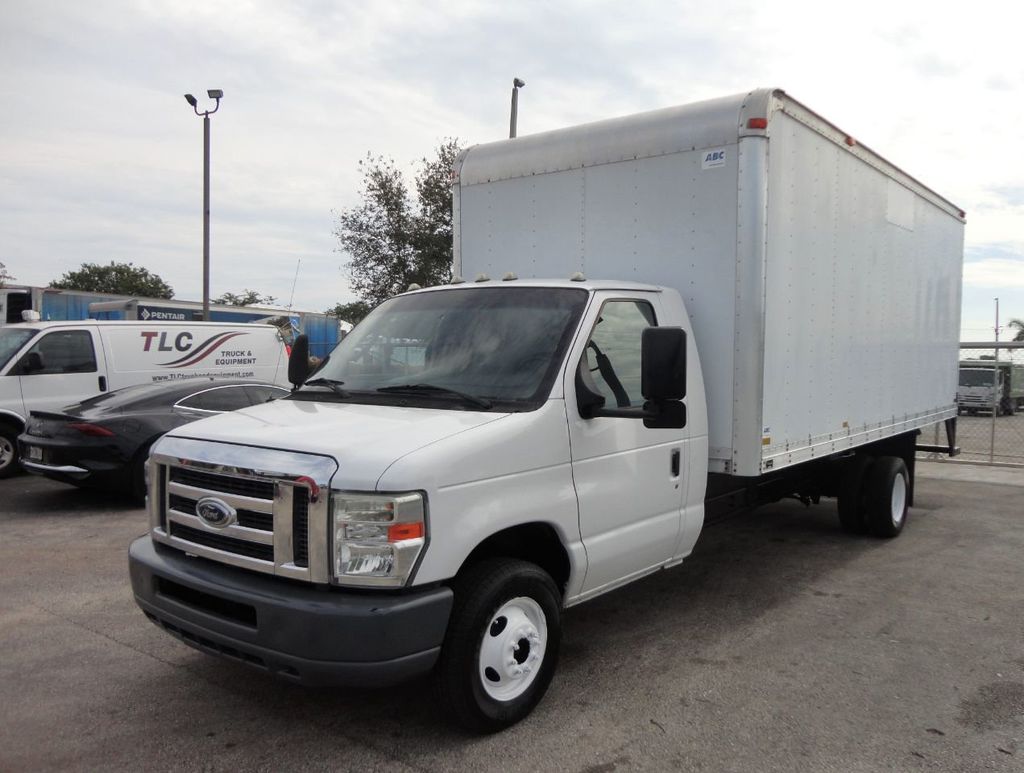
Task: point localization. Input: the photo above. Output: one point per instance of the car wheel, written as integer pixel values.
(501, 647)
(887, 496)
(8, 451)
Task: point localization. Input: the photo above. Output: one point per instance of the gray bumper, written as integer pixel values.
(309, 635)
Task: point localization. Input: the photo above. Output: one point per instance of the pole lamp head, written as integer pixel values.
(518, 83)
(191, 100)
(215, 93)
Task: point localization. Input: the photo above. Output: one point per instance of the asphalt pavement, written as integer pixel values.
(780, 645)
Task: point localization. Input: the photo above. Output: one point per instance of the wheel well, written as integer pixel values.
(14, 423)
(537, 543)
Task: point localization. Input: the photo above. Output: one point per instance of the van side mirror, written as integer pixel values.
(663, 364)
(298, 362)
(30, 363)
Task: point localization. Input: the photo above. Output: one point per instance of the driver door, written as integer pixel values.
(628, 478)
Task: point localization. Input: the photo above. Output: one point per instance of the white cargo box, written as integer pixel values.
(822, 282)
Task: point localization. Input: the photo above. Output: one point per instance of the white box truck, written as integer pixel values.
(47, 365)
(752, 305)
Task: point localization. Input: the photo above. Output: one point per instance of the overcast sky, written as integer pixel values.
(101, 158)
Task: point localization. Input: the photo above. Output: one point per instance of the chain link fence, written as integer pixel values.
(990, 404)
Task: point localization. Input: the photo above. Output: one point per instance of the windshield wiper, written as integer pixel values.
(471, 399)
(333, 384)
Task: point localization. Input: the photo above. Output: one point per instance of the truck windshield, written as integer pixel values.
(469, 348)
(975, 377)
(11, 340)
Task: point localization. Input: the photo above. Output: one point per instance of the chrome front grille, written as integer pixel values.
(279, 498)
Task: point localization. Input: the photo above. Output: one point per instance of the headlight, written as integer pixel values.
(377, 537)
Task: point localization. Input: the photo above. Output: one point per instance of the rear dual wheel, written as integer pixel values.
(8, 451)
(874, 495)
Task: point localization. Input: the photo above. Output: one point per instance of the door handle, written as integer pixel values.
(675, 462)
(103, 383)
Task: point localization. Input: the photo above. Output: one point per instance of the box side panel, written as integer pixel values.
(668, 220)
(862, 301)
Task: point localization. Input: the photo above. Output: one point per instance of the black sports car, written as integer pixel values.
(104, 441)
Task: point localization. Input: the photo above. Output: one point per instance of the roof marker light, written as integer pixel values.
(414, 286)
(482, 278)
(757, 123)
(850, 141)
(509, 277)
(578, 277)
(457, 280)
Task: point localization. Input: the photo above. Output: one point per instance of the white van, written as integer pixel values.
(47, 365)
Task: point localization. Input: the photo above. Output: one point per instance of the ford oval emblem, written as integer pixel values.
(216, 513)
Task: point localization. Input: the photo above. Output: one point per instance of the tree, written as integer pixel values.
(395, 241)
(350, 312)
(1018, 325)
(117, 278)
(4, 276)
(246, 298)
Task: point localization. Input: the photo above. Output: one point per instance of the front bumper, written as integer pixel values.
(311, 635)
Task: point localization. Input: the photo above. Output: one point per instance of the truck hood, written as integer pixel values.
(364, 439)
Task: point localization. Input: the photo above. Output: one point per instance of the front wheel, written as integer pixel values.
(501, 647)
(8, 451)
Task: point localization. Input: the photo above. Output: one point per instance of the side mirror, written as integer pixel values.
(298, 362)
(663, 364)
(31, 363)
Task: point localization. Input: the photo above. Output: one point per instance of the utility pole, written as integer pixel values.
(216, 94)
(517, 83)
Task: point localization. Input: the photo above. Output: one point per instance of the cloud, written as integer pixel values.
(995, 273)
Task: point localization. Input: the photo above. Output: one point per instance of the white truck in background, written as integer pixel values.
(752, 305)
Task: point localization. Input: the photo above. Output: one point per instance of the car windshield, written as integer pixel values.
(471, 348)
(11, 340)
(975, 377)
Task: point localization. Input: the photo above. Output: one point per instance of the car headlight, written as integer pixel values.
(377, 537)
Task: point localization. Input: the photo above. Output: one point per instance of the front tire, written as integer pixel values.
(8, 451)
(887, 496)
(501, 648)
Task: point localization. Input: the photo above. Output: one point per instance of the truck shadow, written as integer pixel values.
(739, 571)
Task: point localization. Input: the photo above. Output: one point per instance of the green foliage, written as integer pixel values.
(116, 278)
(1018, 325)
(246, 298)
(393, 239)
(350, 312)
(4, 276)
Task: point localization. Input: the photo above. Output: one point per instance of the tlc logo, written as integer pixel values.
(182, 342)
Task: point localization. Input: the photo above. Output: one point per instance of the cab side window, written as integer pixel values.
(611, 362)
(62, 351)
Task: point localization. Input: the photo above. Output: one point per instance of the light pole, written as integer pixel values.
(217, 95)
(517, 83)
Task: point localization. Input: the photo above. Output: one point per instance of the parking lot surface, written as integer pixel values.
(780, 645)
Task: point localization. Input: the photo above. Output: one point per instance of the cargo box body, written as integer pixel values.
(822, 282)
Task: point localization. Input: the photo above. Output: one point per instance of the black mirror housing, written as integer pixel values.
(298, 362)
(663, 364)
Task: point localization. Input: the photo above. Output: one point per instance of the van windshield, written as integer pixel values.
(970, 377)
(11, 340)
(473, 348)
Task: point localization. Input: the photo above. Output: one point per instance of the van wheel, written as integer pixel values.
(886, 496)
(501, 648)
(851, 495)
(8, 450)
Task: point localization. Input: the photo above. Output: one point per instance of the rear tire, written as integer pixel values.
(851, 495)
(8, 451)
(501, 647)
(886, 496)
